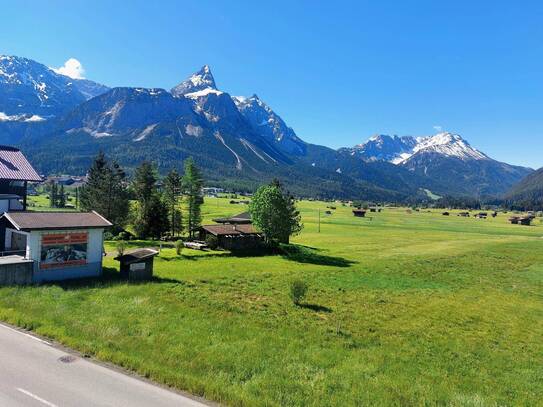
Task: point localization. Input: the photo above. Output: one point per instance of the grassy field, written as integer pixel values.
(402, 309)
(41, 203)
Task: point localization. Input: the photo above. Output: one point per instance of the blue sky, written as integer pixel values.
(337, 72)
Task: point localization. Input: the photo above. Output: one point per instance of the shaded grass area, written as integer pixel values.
(400, 311)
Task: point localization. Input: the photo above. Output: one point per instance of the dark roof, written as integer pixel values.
(226, 230)
(241, 218)
(136, 256)
(56, 220)
(15, 166)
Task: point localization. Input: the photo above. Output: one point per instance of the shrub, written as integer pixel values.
(178, 246)
(121, 246)
(108, 236)
(212, 242)
(126, 235)
(298, 289)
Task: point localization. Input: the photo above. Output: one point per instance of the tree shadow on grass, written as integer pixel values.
(109, 277)
(315, 307)
(305, 254)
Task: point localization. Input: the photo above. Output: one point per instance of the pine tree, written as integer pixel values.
(53, 195)
(105, 191)
(151, 217)
(192, 186)
(172, 192)
(61, 198)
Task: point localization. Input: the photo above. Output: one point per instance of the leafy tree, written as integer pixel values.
(151, 217)
(105, 191)
(172, 192)
(273, 211)
(192, 186)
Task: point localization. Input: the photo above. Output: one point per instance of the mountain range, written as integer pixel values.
(239, 142)
(528, 193)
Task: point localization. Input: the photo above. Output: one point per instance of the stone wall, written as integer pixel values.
(16, 273)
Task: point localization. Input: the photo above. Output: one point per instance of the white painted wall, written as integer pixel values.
(95, 245)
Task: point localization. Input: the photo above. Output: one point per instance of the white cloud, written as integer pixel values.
(438, 128)
(72, 68)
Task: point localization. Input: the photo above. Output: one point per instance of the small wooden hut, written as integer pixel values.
(359, 213)
(137, 264)
(232, 236)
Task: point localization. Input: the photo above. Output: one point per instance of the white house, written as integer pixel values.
(60, 245)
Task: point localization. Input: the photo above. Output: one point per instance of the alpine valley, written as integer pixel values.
(240, 142)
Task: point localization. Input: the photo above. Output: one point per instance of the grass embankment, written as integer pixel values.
(403, 309)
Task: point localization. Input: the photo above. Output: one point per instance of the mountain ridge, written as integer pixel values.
(242, 140)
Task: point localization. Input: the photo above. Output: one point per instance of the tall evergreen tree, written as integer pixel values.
(61, 198)
(53, 195)
(105, 191)
(172, 192)
(192, 186)
(151, 217)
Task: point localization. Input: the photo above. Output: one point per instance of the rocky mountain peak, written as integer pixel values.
(197, 82)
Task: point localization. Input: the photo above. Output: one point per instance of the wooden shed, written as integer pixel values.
(137, 264)
(232, 237)
(522, 220)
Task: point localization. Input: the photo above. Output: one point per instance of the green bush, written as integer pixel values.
(121, 246)
(212, 242)
(178, 246)
(298, 290)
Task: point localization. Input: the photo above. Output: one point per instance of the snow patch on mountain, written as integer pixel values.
(203, 79)
(202, 93)
(27, 118)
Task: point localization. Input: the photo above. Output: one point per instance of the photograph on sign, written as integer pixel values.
(63, 250)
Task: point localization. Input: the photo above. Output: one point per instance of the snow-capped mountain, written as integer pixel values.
(61, 123)
(398, 150)
(269, 125)
(247, 116)
(28, 88)
(446, 158)
(199, 81)
(383, 148)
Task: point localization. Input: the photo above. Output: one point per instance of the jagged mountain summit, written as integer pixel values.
(398, 150)
(199, 81)
(269, 125)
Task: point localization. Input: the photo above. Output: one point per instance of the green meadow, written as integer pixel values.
(402, 309)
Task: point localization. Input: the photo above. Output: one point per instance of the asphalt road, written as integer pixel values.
(33, 373)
